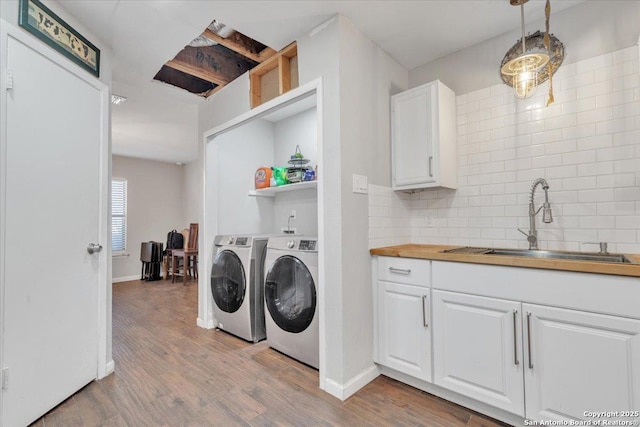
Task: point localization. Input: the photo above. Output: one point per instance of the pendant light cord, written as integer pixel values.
(524, 45)
(547, 43)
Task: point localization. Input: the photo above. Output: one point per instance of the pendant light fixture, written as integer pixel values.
(532, 60)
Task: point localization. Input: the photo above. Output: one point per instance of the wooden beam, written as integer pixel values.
(212, 91)
(208, 74)
(241, 44)
(266, 53)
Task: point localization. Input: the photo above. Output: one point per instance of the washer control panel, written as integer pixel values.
(307, 245)
(241, 241)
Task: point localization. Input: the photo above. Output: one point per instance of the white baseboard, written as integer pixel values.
(109, 369)
(125, 279)
(211, 324)
(346, 390)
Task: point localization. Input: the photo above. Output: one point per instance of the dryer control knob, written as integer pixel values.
(230, 241)
(291, 244)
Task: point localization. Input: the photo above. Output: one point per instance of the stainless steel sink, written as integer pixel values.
(564, 255)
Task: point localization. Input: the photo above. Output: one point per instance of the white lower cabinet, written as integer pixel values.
(477, 346)
(566, 362)
(578, 361)
(404, 334)
(499, 337)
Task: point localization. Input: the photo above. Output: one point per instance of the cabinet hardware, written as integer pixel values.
(5, 378)
(529, 338)
(431, 166)
(9, 80)
(515, 338)
(424, 312)
(405, 271)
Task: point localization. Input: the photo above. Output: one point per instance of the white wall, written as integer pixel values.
(192, 192)
(587, 30)
(318, 58)
(368, 77)
(238, 154)
(155, 206)
(586, 144)
(300, 129)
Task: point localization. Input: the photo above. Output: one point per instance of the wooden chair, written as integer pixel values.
(184, 262)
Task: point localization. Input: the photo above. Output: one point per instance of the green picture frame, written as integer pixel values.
(40, 21)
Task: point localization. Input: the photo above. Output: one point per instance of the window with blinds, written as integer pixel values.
(118, 215)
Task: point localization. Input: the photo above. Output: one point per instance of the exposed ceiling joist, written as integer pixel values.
(241, 44)
(194, 70)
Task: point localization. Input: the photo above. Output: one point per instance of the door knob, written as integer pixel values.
(93, 247)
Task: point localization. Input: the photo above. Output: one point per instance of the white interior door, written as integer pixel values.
(54, 132)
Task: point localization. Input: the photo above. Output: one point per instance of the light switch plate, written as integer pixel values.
(360, 184)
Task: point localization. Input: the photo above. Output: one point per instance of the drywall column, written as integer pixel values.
(318, 57)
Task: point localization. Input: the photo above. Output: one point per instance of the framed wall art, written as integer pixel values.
(40, 21)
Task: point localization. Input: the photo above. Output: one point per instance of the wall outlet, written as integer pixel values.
(284, 230)
(293, 214)
(360, 184)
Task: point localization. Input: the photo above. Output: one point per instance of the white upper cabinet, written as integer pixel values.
(423, 138)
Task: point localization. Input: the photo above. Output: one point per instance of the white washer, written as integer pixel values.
(290, 296)
(237, 285)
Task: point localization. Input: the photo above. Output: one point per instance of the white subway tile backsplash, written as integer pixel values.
(626, 166)
(616, 153)
(616, 125)
(580, 80)
(599, 168)
(600, 195)
(561, 172)
(618, 236)
(579, 106)
(479, 94)
(594, 142)
(626, 54)
(597, 222)
(586, 144)
(611, 99)
(599, 88)
(627, 194)
(593, 116)
(580, 131)
(628, 222)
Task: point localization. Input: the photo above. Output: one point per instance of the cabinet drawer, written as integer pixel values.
(405, 270)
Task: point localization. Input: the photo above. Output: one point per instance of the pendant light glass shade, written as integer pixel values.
(529, 63)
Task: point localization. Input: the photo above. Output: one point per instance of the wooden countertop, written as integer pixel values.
(434, 252)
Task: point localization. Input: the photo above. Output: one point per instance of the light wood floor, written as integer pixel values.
(169, 372)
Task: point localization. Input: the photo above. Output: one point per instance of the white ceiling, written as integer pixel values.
(144, 34)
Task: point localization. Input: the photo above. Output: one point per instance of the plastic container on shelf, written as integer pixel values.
(263, 178)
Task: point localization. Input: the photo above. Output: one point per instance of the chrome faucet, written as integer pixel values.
(547, 217)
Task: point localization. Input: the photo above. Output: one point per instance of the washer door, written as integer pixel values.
(290, 294)
(228, 281)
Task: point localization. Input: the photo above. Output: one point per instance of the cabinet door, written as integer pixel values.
(404, 333)
(413, 136)
(577, 361)
(477, 348)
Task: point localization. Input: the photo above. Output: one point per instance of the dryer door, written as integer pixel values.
(290, 294)
(228, 281)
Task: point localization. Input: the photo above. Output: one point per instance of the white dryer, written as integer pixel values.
(290, 296)
(237, 285)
